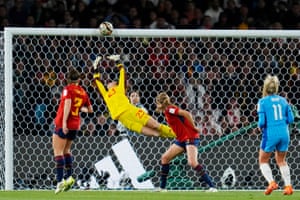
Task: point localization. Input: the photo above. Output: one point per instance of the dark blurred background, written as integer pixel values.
(170, 14)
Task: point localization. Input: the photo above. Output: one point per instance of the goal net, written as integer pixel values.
(215, 74)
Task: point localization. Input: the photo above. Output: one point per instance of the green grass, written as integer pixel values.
(143, 195)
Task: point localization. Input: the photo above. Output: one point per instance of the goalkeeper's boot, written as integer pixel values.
(288, 190)
(60, 186)
(166, 132)
(272, 186)
(69, 183)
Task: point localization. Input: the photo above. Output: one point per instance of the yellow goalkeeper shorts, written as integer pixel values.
(134, 119)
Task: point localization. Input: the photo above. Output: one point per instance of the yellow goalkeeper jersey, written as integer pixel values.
(115, 98)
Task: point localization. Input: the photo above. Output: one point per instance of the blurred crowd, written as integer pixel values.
(218, 80)
(160, 14)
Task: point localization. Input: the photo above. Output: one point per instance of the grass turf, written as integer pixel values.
(142, 195)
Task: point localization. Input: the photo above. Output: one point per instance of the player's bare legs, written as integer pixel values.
(161, 129)
(58, 144)
(166, 158)
(152, 123)
(265, 168)
(150, 131)
(192, 156)
(285, 172)
(171, 153)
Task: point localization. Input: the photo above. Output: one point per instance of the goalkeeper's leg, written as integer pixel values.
(164, 130)
(144, 124)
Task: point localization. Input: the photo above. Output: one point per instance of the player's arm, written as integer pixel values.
(87, 109)
(261, 116)
(67, 109)
(97, 75)
(117, 59)
(290, 115)
(187, 115)
(87, 106)
(122, 76)
(100, 87)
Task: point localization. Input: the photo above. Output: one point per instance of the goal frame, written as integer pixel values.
(9, 32)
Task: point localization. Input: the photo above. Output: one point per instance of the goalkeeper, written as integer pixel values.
(120, 108)
(134, 97)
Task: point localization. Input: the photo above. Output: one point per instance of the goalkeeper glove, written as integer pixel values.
(115, 58)
(95, 67)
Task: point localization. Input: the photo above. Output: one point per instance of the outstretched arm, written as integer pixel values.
(97, 76)
(118, 60)
(122, 77)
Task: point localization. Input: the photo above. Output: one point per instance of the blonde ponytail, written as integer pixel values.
(271, 85)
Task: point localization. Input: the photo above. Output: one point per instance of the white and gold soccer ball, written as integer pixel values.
(106, 28)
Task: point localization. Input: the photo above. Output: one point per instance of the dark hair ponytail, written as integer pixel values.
(73, 75)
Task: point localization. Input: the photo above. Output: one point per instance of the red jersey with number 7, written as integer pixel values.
(79, 98)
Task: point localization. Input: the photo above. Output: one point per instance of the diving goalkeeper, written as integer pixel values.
(120, 108)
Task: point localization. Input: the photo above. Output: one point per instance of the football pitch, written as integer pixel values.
(142, 195)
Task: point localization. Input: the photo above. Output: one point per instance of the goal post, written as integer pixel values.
(8, 99)
(216, 74)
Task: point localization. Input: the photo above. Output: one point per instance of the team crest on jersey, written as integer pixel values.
(172, 110)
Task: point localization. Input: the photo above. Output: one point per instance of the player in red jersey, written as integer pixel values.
(74, 100)
(187, 139)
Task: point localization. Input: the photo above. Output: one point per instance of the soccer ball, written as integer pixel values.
(106, 28)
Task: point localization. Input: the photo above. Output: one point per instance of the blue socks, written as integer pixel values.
(68, 165)
(164, 175)
(204, 176)
(60, 163)
(63, 163)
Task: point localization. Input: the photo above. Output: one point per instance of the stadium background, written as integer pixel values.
(248, 60)
(231, 71)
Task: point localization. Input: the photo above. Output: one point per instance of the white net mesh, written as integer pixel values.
(218, 79)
